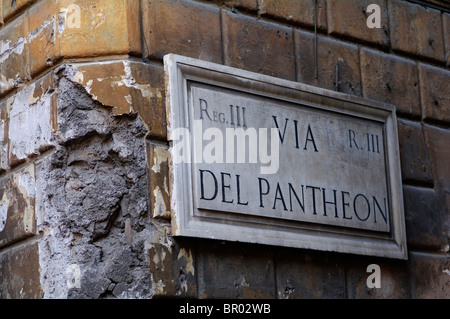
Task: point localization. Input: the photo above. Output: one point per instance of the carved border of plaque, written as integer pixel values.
(361, 219)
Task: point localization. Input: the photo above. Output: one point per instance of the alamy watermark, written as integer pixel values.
(238, 145)
(374, 279)
(72, 16)
(374, 19)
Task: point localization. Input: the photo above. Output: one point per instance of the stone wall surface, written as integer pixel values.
(84, 171)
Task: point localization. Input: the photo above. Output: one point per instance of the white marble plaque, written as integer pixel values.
(263, 160)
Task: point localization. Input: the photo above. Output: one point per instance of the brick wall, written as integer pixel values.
(84, 171)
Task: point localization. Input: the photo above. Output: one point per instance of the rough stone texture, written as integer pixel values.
(242, 4)
(172, 266)
(392, 80)
(295, 11)
(4, 158)
(19, 273)
(14, 69)
(414, 158)
(425, 219)
(415, 29)
(434, 92)
(182, 27)
(430, 275)
(30, 121)
(83, 167)
(129, 87)
(92, 200)
(158, 172)
(11, 8)
(17, 210)
(332, 56)
(349, 19)
(243, 47)
(309, 275)
(438, 140)
(235, 271)
(446, 28)
(42, 35)
(106, 27)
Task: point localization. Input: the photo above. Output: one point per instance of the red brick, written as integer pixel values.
(349, 18)
(182, 27)
(330, 53)
(438, 141)
(430, 277)
(416, 30)
(20, 273)
(244, 47)
(296, 11)
(413, 153)
(392, 80)
(435, 93)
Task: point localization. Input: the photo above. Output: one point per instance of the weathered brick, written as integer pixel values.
(309, 275)
(128, 87)
(424, 218)
(430, 276)
(42, 35)
(349, 18)
(446, 27)
(435, 93)
(251, 5)
(393, 279)
(182, 27)
(149, 97)
(14, 70)
(11, 8)
(4, 144)
(244, 49)
(30, 124)
(105, 27)
(332, 56)
(172, 266)
(17, 210)
(244, 4)
(296, 11)
(158, 175)
(438, 141)
(413, 153)
(235, 271)
(20, 273)
(1, 14)
(392, 80)
(416, 30)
